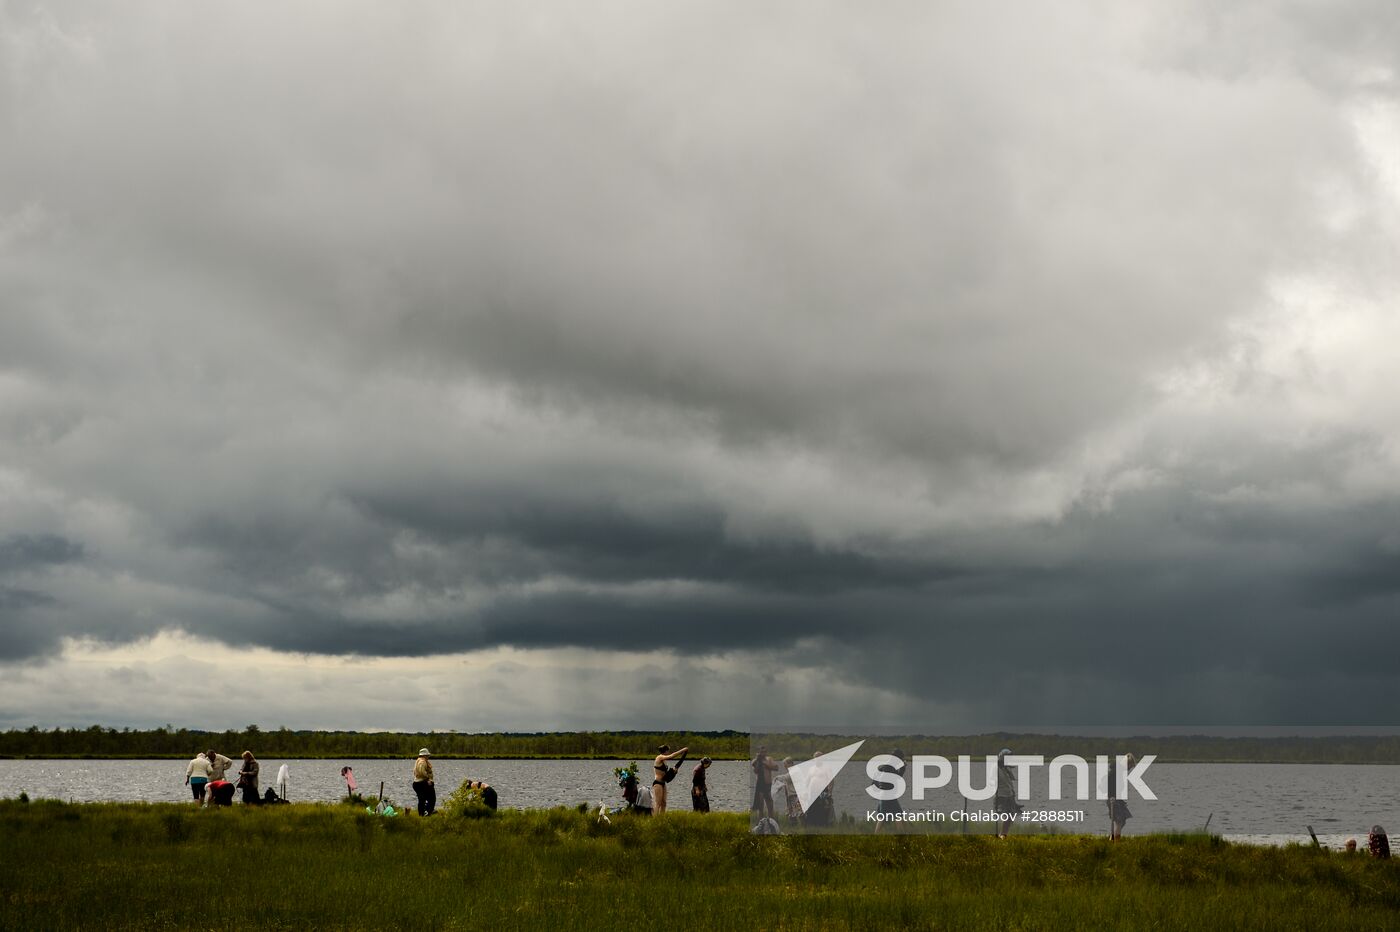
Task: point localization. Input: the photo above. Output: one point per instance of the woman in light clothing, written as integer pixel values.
(197, 776)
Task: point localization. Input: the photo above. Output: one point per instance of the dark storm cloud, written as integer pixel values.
(878, 343)
(23, 633)
(25, 552)
(24, 629)
(607, 542)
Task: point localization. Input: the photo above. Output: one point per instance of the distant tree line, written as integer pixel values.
(1340, 749)
(181, 743)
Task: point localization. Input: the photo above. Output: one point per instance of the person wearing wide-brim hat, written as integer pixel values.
(423, 783)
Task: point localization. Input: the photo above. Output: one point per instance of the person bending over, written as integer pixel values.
(699, 791)
(488, 793)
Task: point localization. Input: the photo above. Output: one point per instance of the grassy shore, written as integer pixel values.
(165, 866)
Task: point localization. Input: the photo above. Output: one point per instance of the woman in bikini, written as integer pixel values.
(663, 776)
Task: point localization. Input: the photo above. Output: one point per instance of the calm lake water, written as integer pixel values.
(528, 784)
(1266, 803)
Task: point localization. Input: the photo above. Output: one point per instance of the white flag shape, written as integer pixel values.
(810, 777)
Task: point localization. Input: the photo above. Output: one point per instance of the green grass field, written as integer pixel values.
(165, 866)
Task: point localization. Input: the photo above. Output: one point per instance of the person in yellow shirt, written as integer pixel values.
(423, 783)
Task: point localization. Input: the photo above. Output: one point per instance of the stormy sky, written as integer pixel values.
(631, 364)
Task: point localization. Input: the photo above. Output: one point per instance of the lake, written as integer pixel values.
(1265, 803)
(526, 784)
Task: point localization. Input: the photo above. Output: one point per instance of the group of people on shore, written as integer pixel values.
(425, 785)
(653, 799)
(206, 775)
(773, 782)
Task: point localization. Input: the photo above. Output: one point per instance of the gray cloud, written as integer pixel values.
(24, 552)
(24, 630)
(866, 343)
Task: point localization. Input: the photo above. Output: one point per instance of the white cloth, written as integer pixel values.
(199, 767)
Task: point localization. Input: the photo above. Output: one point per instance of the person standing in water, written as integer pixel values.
(218, 765)
(1118, 813)
(892, 807)
(663, 775)
(423, 783)
(1004, 803)
(699, 791)
(197, 776)
(794, 805)
(763, 771)
(248, 780)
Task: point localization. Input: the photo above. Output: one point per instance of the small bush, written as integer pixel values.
(23, 796)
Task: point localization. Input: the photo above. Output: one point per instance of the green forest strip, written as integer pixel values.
(171, 743)
(181, 744)
(171, 866)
